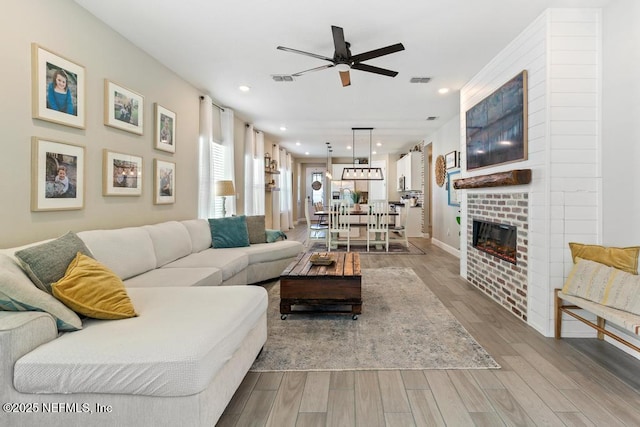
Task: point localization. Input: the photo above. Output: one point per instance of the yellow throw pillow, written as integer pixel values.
(625, 259)
(91, 289)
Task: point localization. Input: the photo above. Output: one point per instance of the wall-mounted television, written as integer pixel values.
(496, 127)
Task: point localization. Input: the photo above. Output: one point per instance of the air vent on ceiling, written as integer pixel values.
(431, 118)
(282, 78)
(420, 79)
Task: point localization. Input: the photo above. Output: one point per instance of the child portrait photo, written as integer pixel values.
(58, 88)
(57, 181)
(165, 129)
(124, 108)
(121, 174)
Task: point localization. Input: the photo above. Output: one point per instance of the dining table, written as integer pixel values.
(360, 214)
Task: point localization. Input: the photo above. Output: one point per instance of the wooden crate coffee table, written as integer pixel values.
(326, 286)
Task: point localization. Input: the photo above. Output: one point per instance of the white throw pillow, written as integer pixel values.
(18, 293)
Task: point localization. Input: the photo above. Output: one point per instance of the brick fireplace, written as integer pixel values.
(503, 278)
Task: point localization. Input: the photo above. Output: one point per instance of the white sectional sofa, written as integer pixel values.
(178, 362)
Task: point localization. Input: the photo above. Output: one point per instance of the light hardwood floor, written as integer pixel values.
(572, 382)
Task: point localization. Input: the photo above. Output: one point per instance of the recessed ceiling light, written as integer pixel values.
(298, 144)
(283, 128)
(244, 88)
(443, 90)
(374, 152)
(348, 147)
(306, 153)
(378, 144)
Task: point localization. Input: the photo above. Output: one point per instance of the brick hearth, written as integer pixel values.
(506, 283)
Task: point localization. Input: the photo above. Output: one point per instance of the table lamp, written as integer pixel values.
(224, 188)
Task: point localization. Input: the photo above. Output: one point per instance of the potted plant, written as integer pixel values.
(355, 196)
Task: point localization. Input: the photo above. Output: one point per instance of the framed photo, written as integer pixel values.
(451, 160)
(58, 88)
(496, 127)
(165, 133)
(57, 175)
(121, 174)
(123, 108)
(453, 194)
(164, 182)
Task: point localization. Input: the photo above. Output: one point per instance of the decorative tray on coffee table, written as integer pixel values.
(321, 259)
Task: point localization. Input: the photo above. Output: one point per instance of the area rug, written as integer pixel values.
(403, 325)
(397, 248)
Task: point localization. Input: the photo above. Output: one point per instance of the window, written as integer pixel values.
(317, 195)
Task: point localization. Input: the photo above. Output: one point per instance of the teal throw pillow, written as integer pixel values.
(47, 263)
(274, 235)
(229, 232)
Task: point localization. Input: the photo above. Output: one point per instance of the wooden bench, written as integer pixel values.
(626, 320)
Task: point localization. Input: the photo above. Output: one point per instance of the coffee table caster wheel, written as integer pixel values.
(283, 317)
(354, 317)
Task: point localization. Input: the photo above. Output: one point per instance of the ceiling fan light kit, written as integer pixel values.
(344, 61)
(361, 173)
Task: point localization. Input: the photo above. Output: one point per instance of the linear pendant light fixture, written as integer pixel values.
(362, 173)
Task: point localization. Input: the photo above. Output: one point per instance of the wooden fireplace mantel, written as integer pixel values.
(512, 177)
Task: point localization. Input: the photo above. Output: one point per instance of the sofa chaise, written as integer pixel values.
(178, 362)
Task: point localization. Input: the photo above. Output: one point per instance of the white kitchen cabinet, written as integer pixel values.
(410, 168)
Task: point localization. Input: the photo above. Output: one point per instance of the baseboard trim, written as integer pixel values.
(453, 251)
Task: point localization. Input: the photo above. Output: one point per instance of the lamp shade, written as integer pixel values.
(224, 188)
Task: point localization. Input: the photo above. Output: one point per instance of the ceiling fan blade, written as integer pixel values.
(372, 69)
(345, 78)
(377, 52)
(323, 67)
(302, 52)
(338, 42)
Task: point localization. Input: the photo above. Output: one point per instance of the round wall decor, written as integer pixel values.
(441, 173)
(316, 185)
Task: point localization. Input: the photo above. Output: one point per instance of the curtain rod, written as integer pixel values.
(213, 103)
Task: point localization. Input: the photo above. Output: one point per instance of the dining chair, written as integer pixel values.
(322, 217)
(400, 228)
(315, 230)
(339, 223)
(378, 223)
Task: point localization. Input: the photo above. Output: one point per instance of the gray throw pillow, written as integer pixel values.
(17, 293)
(256, 227)
(47, 263)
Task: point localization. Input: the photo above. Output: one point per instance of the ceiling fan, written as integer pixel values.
(344, 61)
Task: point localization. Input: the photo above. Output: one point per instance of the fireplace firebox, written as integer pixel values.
(498, 240)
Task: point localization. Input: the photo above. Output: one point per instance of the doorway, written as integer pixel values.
(428, 190)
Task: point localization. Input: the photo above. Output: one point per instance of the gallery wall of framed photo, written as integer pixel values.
(90, 116)
(58, 168)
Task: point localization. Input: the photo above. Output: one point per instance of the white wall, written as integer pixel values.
(620, 131)
(444, 225)
(68, 30)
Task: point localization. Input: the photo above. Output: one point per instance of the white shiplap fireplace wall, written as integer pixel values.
(561, 51)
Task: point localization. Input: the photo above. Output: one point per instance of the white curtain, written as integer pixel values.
(254, 196)
(205, 169)
(226, 126)
(286, 190)
(215, 157)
